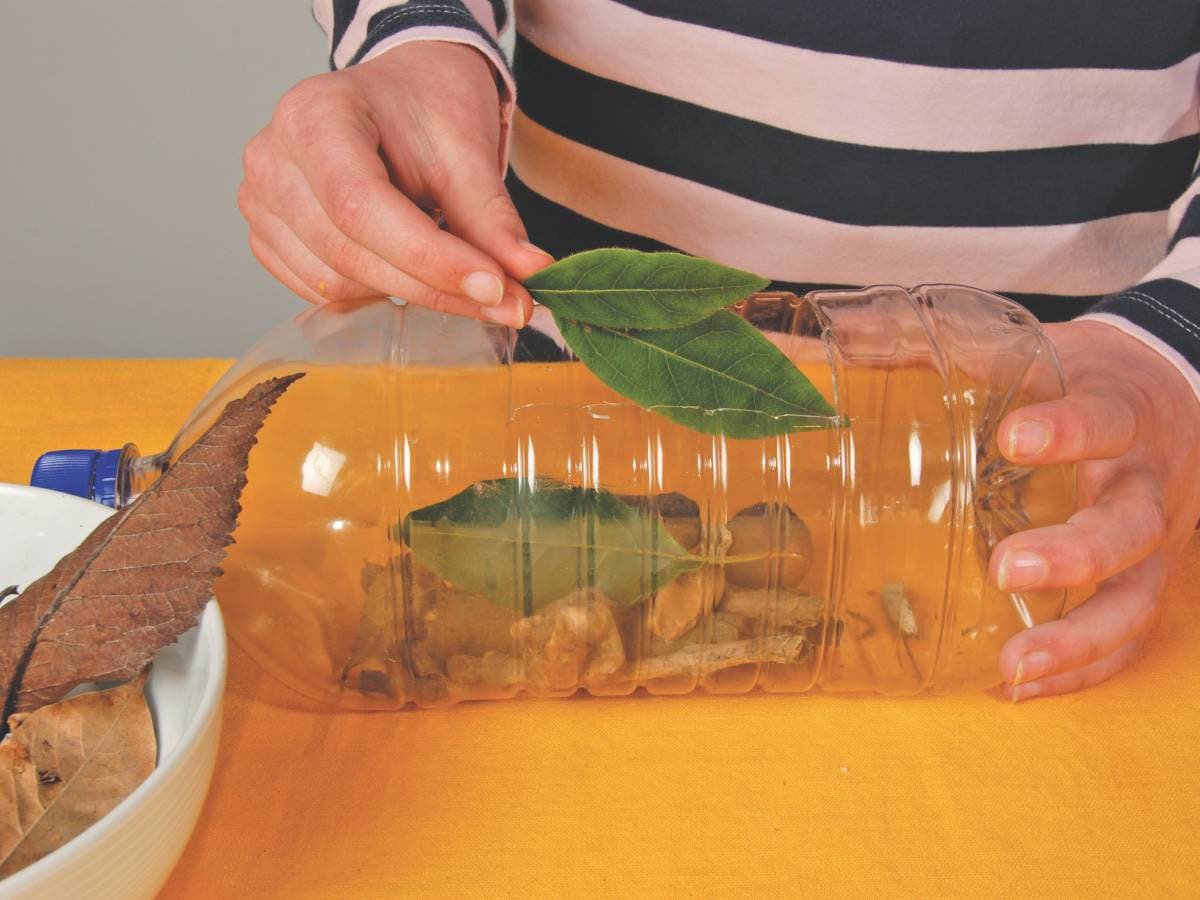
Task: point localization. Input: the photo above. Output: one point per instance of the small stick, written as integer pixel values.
(704, 659)
(786, 609)
(10, 591)
(499, 670)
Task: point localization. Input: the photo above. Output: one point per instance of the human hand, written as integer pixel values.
(1132, 423)
(337, 185)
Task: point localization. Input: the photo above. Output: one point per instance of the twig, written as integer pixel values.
(10, 591)
(704, 659)
(784, 608)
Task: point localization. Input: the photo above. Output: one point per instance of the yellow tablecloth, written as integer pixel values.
(1094, 794)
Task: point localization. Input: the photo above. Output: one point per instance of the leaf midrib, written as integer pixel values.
(632, 290)
(683, 360)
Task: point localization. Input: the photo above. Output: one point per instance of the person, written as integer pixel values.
(1044, 151)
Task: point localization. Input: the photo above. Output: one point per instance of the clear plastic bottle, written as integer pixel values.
(849, 557)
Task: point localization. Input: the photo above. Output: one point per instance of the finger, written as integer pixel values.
(1125, 525)
(515, 293)
(1077, 427)
(1122, 610)
(1100, 670)
(288, 197)
(509, 313)
(324, 284)
(319, 278)
(477, 207)
(337, 154)
(270, 261)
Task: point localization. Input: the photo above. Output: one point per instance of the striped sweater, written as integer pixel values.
(1045, 151)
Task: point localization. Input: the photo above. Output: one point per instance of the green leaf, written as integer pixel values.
(630, 289)
(525, 544)
(718, 376)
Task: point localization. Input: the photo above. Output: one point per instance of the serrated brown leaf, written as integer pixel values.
(66, 765)
(141, 578)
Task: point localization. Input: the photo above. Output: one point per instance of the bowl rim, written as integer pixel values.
(212, 637)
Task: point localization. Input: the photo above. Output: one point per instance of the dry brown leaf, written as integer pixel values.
(66, 765)
(380, 632)
(141, 578)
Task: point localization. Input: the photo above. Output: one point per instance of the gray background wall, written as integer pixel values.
(121, 127)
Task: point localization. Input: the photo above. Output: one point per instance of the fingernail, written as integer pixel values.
(1032, 666)
(483, 287)
(1021, 569)
(1029, 438)
(533, 248)
(513, 317)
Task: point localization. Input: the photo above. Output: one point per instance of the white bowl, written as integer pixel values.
(131, 851)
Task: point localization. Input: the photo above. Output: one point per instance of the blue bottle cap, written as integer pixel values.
(104, 481)
(90, 474)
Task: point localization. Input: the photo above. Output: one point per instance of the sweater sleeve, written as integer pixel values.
(1163, 309)
(360, 30)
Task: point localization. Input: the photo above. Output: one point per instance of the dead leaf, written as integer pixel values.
(380, 631)
(66, 765)
(141, 578)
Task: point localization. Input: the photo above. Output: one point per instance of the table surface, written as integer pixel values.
(1093, 794)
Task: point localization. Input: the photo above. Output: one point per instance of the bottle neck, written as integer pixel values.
(137, 473)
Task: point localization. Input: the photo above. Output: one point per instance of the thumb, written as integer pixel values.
(478, 210)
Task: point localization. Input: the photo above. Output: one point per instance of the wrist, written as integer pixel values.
(404, 51)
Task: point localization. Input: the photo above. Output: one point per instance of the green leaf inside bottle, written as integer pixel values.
(526, 543)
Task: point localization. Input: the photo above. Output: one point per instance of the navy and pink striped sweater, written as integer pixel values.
(1045, 151)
